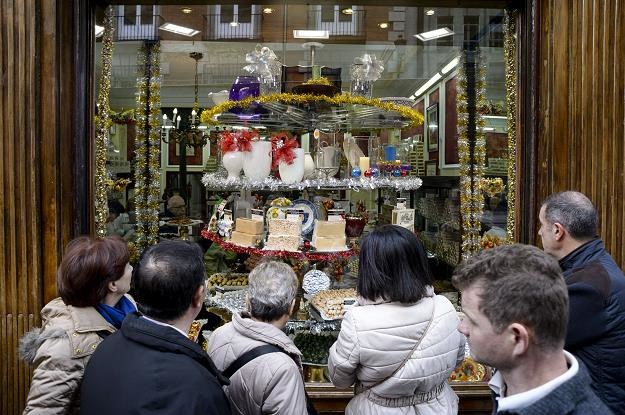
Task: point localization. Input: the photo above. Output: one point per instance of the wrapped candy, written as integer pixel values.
(264, 63)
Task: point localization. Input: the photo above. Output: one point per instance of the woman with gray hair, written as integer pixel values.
(263, 364)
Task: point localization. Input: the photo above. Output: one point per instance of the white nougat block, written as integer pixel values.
(329, 228)
(328, 243)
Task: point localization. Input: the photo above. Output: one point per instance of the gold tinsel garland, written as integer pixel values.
(102, 123)
(148, 146)
(414, 117)
(511, 103)
(472, 166)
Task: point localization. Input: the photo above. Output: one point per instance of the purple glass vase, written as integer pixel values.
(244, 86)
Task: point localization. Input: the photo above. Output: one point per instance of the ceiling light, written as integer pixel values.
(451, 65)
(437, 76)
(347, 11)
(99, 30)
(383, 25)
(267, 10)
(179, 30)
(186, 10)
(488, 129)
(234, 24)
(430, 12)
(434, 34)
(311, 34)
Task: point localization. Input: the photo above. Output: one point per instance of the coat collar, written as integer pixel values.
(84, 319)
(166, 339)
(264, 332)
(585, 253)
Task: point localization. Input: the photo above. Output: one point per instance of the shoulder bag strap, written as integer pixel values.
(361, 389)
(248, 356)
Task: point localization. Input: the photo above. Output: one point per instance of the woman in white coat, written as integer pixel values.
(400, 343)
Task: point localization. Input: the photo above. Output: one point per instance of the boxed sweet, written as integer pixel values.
(331, 304)
(245, 239)
(285, 227)
(249, 226)
(329, 228)
(282, 242)
(328, 243)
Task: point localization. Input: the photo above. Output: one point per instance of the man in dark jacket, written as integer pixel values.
(515, 303)
(150, 366)
(596, 285)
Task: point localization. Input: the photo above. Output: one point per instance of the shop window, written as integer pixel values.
(471, 29)
(448, 22)
(137, 23)
(495, 38)
(332, 19)
(234, 21)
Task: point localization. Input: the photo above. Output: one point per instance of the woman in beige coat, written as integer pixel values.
(92, 281)
(400, 343)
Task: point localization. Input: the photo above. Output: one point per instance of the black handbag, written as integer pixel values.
(250, 355)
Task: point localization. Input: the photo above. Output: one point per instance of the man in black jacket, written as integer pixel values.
(596, 285)
(150, 366)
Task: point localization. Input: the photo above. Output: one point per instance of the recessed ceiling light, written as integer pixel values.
(311, 34)
(383, 25)
(434, 34)
(99, 30)
(179, 30)
(186, 10)
(348, 10)
(430, 12)
(267, 10)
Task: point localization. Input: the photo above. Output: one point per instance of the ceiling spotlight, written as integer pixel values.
(99, 30)
(186, 10)
(434, 34)
(383, 25)
(311, 34)
(234, 24)
(267, 10)
(347, 11)
(430, 12)
(180, 30)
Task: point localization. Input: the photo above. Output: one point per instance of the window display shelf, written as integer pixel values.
(314, 114)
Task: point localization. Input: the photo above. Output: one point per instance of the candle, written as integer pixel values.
(193, 116)
(178, 122)
(306, 143)
(390, 153)
(364, 164)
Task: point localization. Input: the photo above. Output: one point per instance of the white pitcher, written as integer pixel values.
(294, 172)
(257, 163)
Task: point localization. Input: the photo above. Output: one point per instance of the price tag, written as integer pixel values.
(294, 214)
(336, 215)
(348, 303)
(228, 215)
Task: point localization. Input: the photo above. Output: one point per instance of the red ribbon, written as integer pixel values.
(283, 147)
(239, 141)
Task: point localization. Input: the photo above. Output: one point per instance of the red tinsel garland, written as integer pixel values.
(311, 256)
(283, 147)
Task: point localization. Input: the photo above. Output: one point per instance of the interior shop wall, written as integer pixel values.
(581, 83)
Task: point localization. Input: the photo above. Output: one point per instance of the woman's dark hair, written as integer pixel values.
(393, 266)
(89, 264)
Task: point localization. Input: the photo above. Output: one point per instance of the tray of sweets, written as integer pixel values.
(332, 304)
(228, 281)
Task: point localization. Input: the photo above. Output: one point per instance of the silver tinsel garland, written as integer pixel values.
(216, 181)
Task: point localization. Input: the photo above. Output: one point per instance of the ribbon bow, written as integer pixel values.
(367, 68)
(239, 141)
(263, 62)
(283, 147)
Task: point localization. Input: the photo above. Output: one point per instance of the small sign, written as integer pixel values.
(295, 214)
(228, 215)
(336, 215)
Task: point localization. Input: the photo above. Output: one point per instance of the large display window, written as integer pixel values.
(292, 130)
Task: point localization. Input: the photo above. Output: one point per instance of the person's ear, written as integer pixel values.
(519, 336)
(558, 231)
(112, 286)
(198, 297)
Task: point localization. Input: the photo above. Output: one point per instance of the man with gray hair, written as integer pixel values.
(596, 286)
(263, 364)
